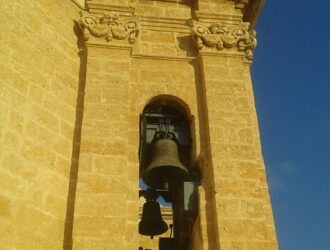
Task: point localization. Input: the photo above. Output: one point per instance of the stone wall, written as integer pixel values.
(241, 194)
(39, 78)
(69, 124)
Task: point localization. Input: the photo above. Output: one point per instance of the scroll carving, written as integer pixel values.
(109, 27)
(220, 37)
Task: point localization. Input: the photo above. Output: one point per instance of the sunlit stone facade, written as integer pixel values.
(74, 78)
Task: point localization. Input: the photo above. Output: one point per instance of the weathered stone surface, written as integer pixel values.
(69, 121)
(39, 79)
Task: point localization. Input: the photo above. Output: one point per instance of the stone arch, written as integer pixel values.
(169, 104)
(171, 101)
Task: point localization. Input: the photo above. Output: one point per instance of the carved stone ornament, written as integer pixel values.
(219, 36)
(109, 26)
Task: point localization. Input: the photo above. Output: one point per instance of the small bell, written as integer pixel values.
(152, 223)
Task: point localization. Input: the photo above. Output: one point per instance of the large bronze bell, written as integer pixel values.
(152, 223)
(165, 166)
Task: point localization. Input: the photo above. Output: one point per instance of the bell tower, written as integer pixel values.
(166, 99)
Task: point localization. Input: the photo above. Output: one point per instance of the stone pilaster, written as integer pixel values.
(103, 211)
(240, 189)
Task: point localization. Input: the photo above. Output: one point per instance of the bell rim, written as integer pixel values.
(156, 178)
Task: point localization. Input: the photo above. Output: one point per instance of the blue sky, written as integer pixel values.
(291, 77)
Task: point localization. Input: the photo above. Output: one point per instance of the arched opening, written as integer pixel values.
(165, 170)
(164, 113)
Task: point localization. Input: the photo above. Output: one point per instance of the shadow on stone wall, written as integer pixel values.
(69, 217)
(207, 178)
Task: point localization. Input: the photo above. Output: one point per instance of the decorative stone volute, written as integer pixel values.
(109, 26)
(220, 37)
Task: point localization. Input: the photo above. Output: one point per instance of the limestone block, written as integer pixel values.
(114, 65)
(66, 129)
(55, 205)
(130, 234)
(98, 243)
(36, 131)
(132, 171)
(7, 232)
(45, 118)
(252, 209)
(132, 190)
(33, 152)
(239, 188)
(100, 227)
(100, 205)
(245, 152)
(100, 184)
(5, 207)
(162, 77)
(249, 170)
(62, 166)
(243, 230)
(229, 207)
(117, 167)
(29, 239)
(157, 37)
(15, 165)
(59, 183)
(9, 184)
(223, 7)
(16, 121)
(11, 140)
(62, 147)
(237, 245)
(227, 168)
(105, 147)
(85, 162)
(259, 245)
(27, 215)
(95, 112)
(132, 209)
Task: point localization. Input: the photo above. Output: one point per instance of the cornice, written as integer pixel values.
(252, 11)
(179, 25)
(214, 34)
(153, 23)
(206, 17)
(162, 57)
(103, 45)
(240, 55)
(101, 7)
